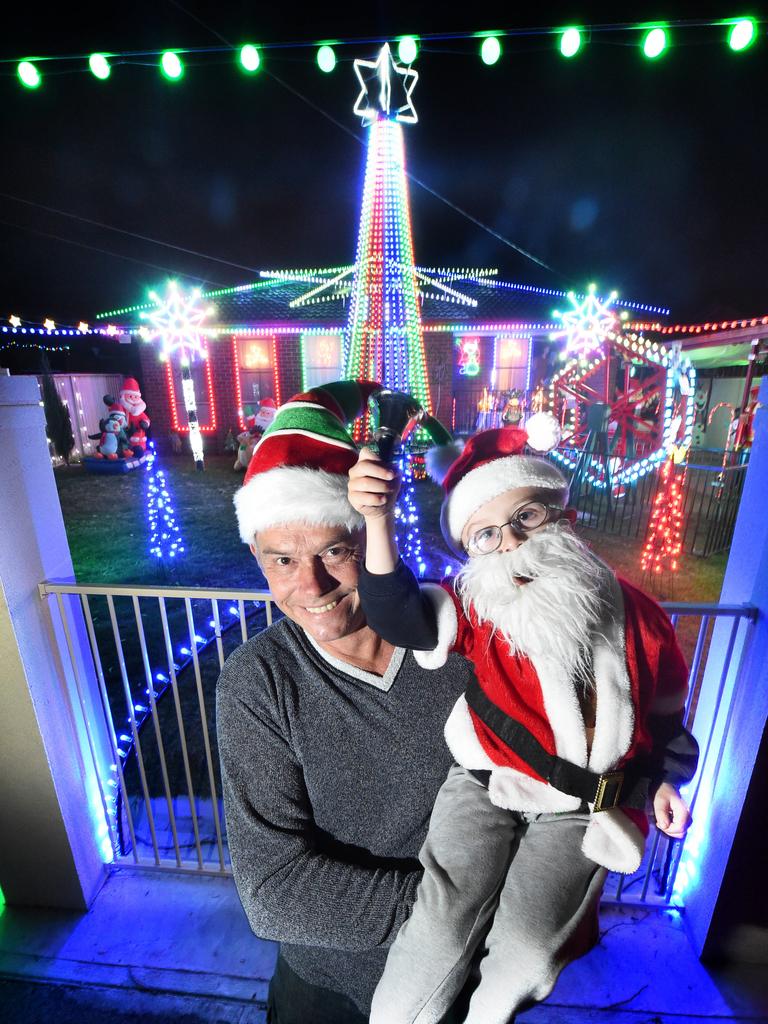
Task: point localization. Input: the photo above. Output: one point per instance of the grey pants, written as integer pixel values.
(522, 876)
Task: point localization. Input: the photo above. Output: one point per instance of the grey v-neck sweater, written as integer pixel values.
(329, 776)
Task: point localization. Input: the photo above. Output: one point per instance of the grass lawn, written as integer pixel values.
(108, 536)
(106, 523)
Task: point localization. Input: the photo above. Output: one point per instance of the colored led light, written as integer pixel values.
(742, 34)
(326, 59)
(490, 50)
(408, 49)
(171, 66)
(250, 59)
(570, 41)
(28, 74)
(99, 66)
(654, 43)
(587, 323)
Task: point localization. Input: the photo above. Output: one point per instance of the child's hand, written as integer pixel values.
(671, 811)
(373, 485)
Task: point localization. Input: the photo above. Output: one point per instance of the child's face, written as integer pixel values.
(505, 508)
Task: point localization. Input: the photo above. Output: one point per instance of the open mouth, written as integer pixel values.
(520, 581)
(319, 609)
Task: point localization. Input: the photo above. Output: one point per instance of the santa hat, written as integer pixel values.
(130, 384)
(492, 462)
(117, 409)
(298, 471)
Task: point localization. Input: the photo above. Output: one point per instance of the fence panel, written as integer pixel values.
(157, 654)
(712, 490)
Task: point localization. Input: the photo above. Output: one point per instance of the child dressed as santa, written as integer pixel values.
(573, 725)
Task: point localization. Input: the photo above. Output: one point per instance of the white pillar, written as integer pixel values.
(49, 805)
(740, 718)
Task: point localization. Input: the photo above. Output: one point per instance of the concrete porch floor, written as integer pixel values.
(158, 947)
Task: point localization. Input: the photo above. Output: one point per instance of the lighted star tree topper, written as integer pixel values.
(177, 325)
(384, 339)
(587, 324)
(382, 82)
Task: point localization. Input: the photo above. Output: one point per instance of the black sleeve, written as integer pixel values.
(396, 608)
(675, 751)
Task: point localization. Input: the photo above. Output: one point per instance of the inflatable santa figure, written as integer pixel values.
(255, 425)
(266, 414)
(136, 412)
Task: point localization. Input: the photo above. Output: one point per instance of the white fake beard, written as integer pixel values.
(135, 408)
(555, 614)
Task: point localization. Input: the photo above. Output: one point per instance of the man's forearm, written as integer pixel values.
(315, 900)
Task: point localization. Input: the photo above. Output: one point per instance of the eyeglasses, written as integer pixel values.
(528, 517)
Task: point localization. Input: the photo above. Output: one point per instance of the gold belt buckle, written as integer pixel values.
(608, 791)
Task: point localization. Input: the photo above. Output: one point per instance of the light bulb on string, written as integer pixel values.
(250, 58)
(99, 66)
(490, 50)
(171, 66)
(655, 42)
(742, 34)
(29, 75)
(326, 58)
(570, 41)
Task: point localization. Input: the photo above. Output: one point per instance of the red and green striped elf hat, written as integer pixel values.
(298, 471)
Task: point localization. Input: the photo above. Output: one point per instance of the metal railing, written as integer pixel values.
(147, 704)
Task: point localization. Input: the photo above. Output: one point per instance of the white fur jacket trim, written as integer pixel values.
(447, 627)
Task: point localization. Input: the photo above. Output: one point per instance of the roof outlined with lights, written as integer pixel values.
(461, 298)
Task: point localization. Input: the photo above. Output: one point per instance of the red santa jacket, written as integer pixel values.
(640, 679)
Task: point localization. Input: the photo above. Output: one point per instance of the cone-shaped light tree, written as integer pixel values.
(384, 338)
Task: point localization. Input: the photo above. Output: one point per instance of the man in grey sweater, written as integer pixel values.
(330, 738)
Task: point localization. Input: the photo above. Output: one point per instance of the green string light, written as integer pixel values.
(250, 58)
(570, 41)
(28, 74)
(490, 50)
(742, 33)
(408, 49)
(171, 66)
(99, 66)
(655, 42)
(326, 58)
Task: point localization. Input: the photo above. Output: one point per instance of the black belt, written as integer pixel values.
(628, 786)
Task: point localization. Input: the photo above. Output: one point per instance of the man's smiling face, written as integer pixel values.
(312, 572)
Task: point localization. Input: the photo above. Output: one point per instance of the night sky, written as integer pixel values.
(646, 177)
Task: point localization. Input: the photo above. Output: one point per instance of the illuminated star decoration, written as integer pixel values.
(587, 324)
(14, 321)
(177, 321)
(49, 324)
(82, 327)
(376, 89)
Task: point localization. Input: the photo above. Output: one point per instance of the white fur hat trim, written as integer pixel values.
(294, 494)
